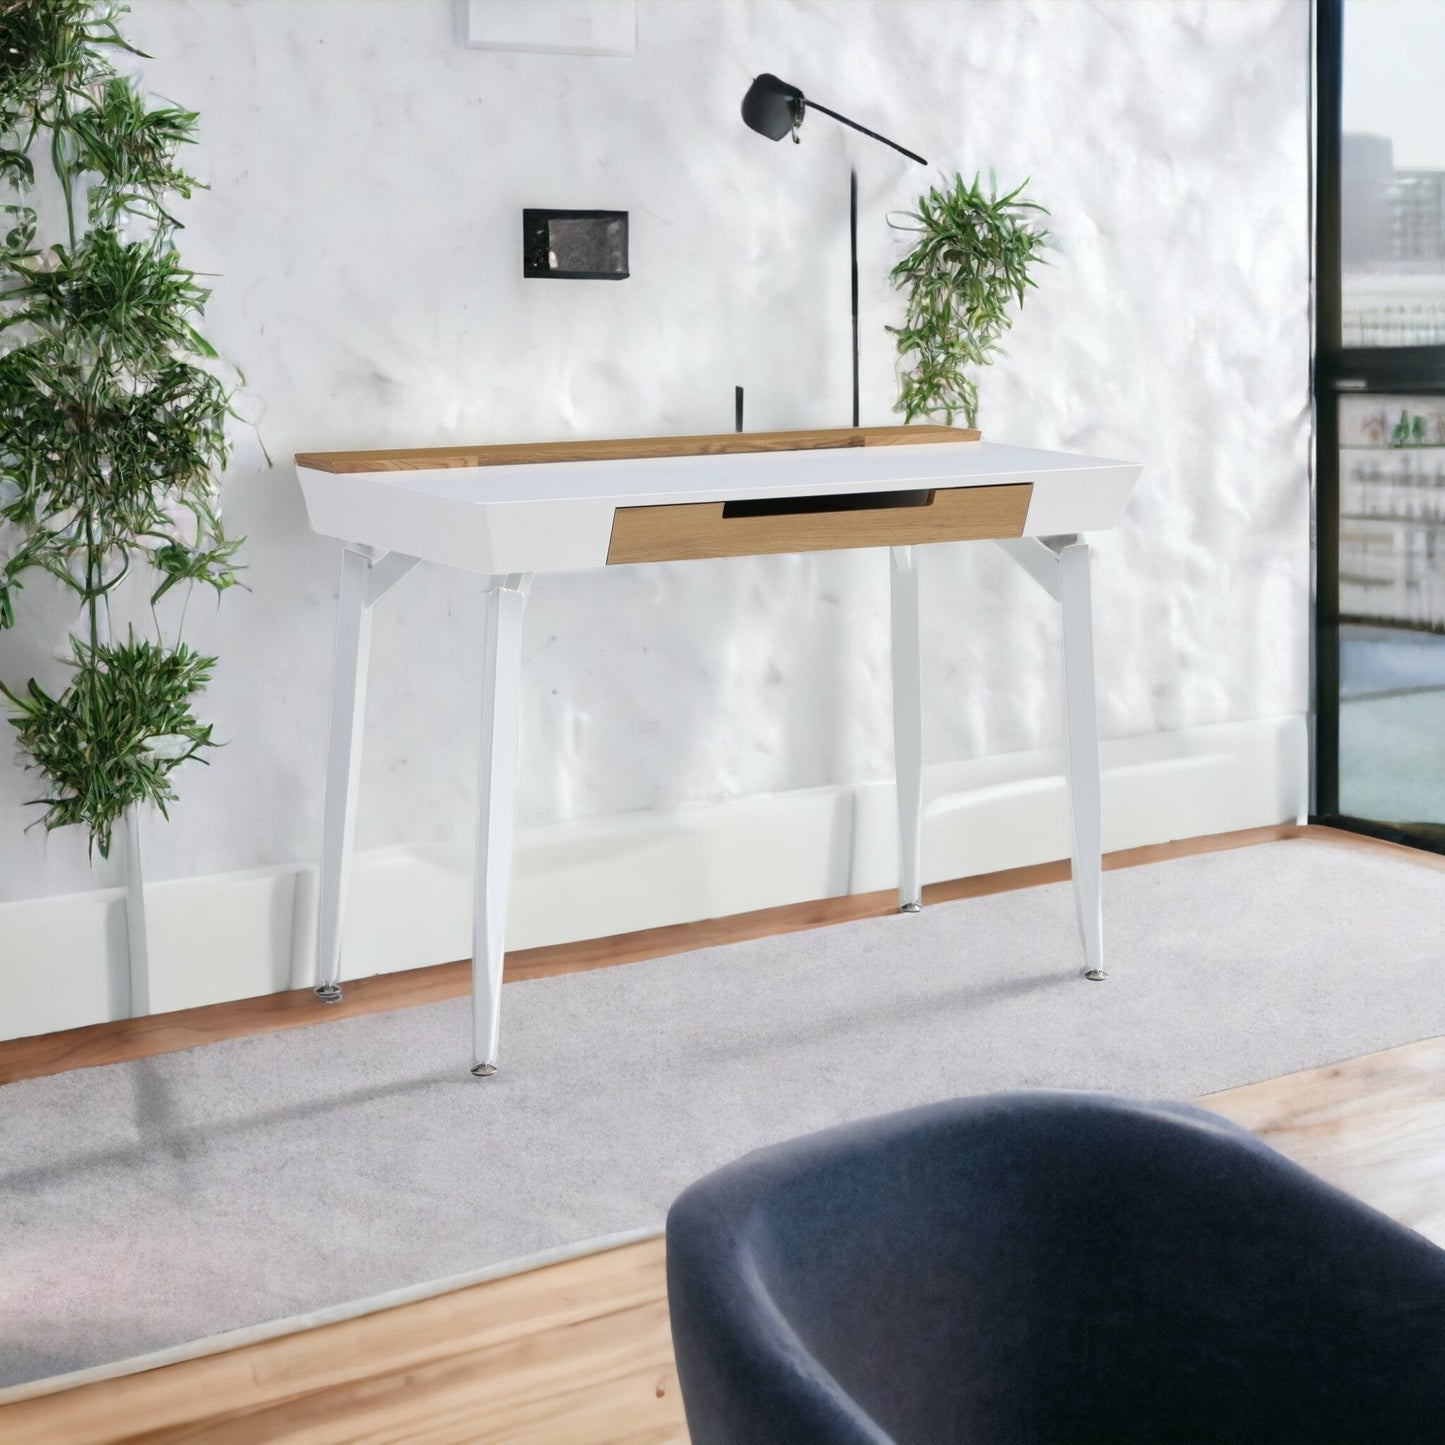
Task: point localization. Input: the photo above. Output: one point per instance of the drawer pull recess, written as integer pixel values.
(829, 502)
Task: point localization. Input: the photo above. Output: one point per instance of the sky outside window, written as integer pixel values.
(1394, 83)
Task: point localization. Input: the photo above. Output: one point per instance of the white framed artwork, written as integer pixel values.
(549, 27)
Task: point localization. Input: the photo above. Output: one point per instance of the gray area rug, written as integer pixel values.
(149, 1204)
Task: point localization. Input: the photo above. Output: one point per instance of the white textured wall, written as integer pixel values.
(367, 180)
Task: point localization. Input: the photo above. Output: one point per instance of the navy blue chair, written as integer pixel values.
(1048, 1267)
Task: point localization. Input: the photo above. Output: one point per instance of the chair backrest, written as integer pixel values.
(1048, 1267)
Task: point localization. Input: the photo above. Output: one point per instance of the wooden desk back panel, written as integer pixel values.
(413, 459)
(695, 530)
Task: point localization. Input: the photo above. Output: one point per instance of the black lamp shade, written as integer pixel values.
(772, 107)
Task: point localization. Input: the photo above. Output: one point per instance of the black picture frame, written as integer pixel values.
(601, 236)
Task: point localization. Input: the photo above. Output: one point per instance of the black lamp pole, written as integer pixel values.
(853, 274)
(774, 108)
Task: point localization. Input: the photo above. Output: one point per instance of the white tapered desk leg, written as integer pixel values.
(1085, 801)
(907, 725)
(343, 763)
(501, 687)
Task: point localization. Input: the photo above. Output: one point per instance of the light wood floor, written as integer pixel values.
(579, 1353)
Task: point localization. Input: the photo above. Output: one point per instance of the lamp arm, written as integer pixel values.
(813, 105)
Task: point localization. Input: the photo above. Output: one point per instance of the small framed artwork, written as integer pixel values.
(549, 27)
(575, 245)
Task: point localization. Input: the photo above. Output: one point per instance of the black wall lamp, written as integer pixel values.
(774, 109)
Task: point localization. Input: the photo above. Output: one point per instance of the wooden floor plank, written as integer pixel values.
(1374, 1127)
(142, 1038)
(600, 1383)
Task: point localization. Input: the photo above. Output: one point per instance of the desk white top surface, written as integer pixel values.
(556, 516)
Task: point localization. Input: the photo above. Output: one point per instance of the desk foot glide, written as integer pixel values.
(910, 908)
(483, 1071)
(1096, 975)
(328, 992)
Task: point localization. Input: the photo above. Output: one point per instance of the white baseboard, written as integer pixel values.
(63, 961)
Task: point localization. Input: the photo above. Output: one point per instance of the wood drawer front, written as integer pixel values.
(694, 530)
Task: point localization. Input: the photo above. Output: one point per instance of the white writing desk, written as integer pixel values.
(511, 511)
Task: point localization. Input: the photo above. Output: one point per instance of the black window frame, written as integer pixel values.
(1339, 370)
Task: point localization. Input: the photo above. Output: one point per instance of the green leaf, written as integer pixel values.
(97, 742)
(113, 408)
(971, 260)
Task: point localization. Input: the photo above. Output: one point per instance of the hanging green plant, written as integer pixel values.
(970, 264)
(112, 412)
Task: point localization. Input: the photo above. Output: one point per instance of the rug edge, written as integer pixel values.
(315, 1319)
